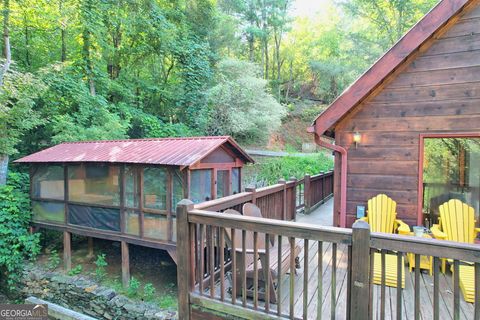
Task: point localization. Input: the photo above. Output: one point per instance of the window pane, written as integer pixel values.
(177, 189)
(451, 170)
(94, 183)
(235, 180)
(47, 182)
(155, 226)
(155, 188)
(132, 223)
(174, 229)
(200, 185)
(131, 187)
(94, 217)
(44, 211)
(222, 183)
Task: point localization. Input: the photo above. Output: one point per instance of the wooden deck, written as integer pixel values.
(426, 289)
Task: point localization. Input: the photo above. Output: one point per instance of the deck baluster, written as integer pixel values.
(456, 289)
(320, 280)
(234, 267)
(305, 278)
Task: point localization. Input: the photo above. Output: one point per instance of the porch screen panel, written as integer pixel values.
(200, 185)
(45, 211)
(48, 182)
(155, 226)
(235, 180)
(132, 222)
(94, 184)
(131, 187)
(178, 188)
(155, 188)
(222, 183)
(94, 217)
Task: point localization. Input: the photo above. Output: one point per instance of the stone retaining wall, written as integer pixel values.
(85, 296)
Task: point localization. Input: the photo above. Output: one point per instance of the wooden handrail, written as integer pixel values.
(199, 271)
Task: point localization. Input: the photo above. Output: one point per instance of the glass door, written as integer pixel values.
(222, 183)
(451, 170)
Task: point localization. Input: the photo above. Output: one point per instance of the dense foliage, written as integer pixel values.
(16, 243)
(293, 166)
(90, 69)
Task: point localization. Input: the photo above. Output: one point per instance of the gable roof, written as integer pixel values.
(164, 151)
(394, 58)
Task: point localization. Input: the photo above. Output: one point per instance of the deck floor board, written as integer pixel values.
(426, 290)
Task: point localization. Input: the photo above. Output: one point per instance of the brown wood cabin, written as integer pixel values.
(127, 190)
(425, 88)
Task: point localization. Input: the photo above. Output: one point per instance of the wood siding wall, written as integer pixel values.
(438, 92)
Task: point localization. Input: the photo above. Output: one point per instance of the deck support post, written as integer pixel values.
(90, 247)
(306, 193)
(360, 272)
(284, 205)
(253, 191)
(67, 250)
(293, 198)
(185, 266)
(125, 264)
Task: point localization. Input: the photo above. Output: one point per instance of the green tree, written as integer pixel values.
(240, 103)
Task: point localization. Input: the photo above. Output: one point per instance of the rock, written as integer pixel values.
(107, 316)
(131, 307)
(91, 288)
(106, 293)
(119, 301)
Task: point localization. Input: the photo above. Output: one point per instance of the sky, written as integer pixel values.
(307, 7)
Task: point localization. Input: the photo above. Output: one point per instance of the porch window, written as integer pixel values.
(235, 180)
(200, 185)
(155, 226)
(46, 211)
(451, 170)
(131, 187)
(94, 184)
(48, 182)
(155, 188)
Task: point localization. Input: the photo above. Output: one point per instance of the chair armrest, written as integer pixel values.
(477, 230)
(437, 234)
(402, 227)
(363, 219)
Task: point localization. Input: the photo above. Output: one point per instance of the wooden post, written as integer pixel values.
(253, 191)
(284, 211)
(67, 250)
(360, 272)
(90, 247)
(185, 264)
(293, 198)
(306, 193)
(125, 264)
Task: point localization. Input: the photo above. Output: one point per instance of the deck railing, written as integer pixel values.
(223, 258)
(280, 201)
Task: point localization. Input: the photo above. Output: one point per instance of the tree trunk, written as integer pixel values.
(63, 33)
(3, 169)
(278, 39)
(87, 38)
(7, 54)
(27, 40)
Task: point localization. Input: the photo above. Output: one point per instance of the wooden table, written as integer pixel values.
(426, 262)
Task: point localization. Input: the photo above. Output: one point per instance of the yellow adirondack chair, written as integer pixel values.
(457, 223)
(382, 217)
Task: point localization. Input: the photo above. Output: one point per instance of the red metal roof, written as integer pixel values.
(166, 151)
(388, 63)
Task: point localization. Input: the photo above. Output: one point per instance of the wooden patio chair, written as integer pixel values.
(382, 217)
(457, 223)
(253, 211)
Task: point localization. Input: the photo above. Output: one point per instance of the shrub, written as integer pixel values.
(167, 301)
(274, 169)
(53, 260)
(101, 264)
(75, 271)
(133, 287)
(149, 291)
(16, 243)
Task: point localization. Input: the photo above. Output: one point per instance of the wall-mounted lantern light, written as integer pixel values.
(357, 137)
